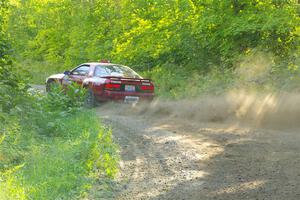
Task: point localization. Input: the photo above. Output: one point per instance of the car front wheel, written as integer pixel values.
(51, 85)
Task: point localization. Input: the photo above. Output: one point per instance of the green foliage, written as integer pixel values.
(52, 148)
(46, 113)
(199, 35)
(12, 85)
(58, 167)
(68, 98)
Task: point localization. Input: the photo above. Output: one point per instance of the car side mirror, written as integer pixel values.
(67, 73)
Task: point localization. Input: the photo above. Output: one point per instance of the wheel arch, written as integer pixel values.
(49, 81)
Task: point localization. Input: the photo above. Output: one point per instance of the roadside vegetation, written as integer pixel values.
(53, 148)
(50, 146)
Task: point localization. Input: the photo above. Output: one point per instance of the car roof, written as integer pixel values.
(98, 63)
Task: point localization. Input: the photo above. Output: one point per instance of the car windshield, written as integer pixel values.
(115, 70)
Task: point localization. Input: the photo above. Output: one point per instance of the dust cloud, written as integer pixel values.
(275, 111)
(244, 103)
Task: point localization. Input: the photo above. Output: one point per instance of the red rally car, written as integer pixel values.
(106, 82)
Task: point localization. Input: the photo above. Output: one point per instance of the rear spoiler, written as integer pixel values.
(127, 79)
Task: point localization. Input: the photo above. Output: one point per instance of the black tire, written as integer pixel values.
(90, 100)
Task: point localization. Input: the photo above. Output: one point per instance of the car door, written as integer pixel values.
(80, 73)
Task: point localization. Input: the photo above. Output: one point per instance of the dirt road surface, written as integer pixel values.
(169, 152)
(239, 146)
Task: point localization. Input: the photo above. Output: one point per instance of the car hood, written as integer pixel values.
(57, 76)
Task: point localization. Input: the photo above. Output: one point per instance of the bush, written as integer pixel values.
(52, 148)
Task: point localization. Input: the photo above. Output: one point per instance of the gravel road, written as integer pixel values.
(169, 156)
(240, 146)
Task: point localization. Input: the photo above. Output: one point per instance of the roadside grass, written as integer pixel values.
(54, 152)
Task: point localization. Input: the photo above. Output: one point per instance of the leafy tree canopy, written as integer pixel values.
(191, 33)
